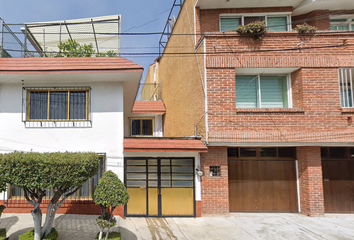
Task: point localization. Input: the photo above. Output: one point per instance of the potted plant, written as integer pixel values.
(305, 28)
(256, 29)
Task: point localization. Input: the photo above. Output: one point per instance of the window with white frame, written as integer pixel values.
(263, 91)
(346, 78)
(274, 22)
(342, 23)
(57, 103)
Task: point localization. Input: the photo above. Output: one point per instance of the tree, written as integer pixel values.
(71, 48)
(2, 189)
(110, 192)
(36, 172)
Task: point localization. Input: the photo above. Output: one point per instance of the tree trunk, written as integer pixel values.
(37, 218)
(101, 233)
(107, 233)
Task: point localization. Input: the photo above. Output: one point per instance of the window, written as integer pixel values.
(258, 91)
(85, 191)
(59, 104)
(346, 76)
(141, 127)
(262, 152)
(215, 171)
(275, 23)
(342, 24)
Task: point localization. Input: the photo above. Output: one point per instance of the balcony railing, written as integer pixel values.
(150, 92)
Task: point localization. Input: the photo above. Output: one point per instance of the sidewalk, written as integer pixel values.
(246, 226)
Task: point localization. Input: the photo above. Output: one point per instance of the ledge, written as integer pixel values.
(347, 110)
(270, 111)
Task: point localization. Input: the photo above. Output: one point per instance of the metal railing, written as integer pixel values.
(150, 92)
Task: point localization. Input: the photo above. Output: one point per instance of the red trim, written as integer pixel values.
(163, 145)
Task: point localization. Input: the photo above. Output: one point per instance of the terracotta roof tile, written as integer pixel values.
(163, 145)
(149, 107)
(86, 64)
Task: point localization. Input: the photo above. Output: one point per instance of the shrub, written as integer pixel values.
(305, 28)
(256, 29)
(112, 235)
(53, 235)
(2, 233)
(2, 208)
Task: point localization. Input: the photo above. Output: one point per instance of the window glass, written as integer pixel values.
(136, 127)
(273, 92)
(252, 19)
(147, 127)
(38, 105)
(78, 105)
(58, 108)
(227, 24)
(246, 91)
(337, 152)
(248, 152)
(287, 152)
(346, 89)
(142, 127)
(232, 152)
(268, 152)
(277, 24)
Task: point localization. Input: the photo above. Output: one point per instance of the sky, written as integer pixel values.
(137, 16)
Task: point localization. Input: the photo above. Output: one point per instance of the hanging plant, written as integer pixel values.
(305, 28)
(256, 29)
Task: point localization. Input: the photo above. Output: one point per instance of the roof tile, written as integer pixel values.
(149, 107)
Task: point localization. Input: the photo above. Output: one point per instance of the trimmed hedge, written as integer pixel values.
(111, 235)
(2, 233)
(53, 235)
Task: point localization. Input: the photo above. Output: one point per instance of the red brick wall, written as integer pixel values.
(310, 180)
(215, 190)
(319, 18)
(66, 208)
(316, 115)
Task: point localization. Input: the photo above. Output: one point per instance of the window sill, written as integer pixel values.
(270, 111)
(347, 110)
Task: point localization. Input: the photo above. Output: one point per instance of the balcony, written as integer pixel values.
(42, 39)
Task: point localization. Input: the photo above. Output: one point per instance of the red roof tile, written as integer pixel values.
(163, 145)
(149, 107)
(77, 64)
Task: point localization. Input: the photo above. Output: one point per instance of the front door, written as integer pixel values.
(160, 187)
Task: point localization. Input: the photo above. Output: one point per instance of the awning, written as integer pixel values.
(163, 145)
(102, 32)
(149, 107)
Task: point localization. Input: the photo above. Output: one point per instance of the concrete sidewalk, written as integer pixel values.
(237, 226)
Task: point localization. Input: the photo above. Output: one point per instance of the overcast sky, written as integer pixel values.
(137, 16)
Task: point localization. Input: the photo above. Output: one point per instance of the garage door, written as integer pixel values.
(262, 185)
(338, 180)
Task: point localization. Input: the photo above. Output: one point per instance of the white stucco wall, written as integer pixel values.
(105, 135)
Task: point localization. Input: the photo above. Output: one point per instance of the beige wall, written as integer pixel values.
(182, 79)
(151, 87)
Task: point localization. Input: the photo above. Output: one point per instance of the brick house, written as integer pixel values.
(276, 113)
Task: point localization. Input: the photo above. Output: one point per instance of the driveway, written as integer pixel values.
(246, 226)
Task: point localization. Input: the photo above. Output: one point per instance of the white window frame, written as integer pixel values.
(348, 22)
(259, 95)
(271, 14)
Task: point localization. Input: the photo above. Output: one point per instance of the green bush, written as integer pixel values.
(2, 208)
(2, 233)
(256, 29)
(53, 235)
(112, 235)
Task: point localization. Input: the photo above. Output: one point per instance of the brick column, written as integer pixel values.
(310, 180)
(215, 190)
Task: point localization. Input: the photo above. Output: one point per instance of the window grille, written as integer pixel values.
(56, 106)
(346, 87)
(215, 171)
(141, 127)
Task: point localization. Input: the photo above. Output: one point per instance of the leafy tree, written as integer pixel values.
(110, 192)
(36, 172)
(2, 189)
(71, 48)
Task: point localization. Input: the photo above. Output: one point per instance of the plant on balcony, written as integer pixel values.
(71, 48)
(305, 28)
(256, 29)
(110, 192)
(65, 172)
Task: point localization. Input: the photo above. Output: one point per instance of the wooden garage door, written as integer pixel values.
(338, 186)
(263, 186)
